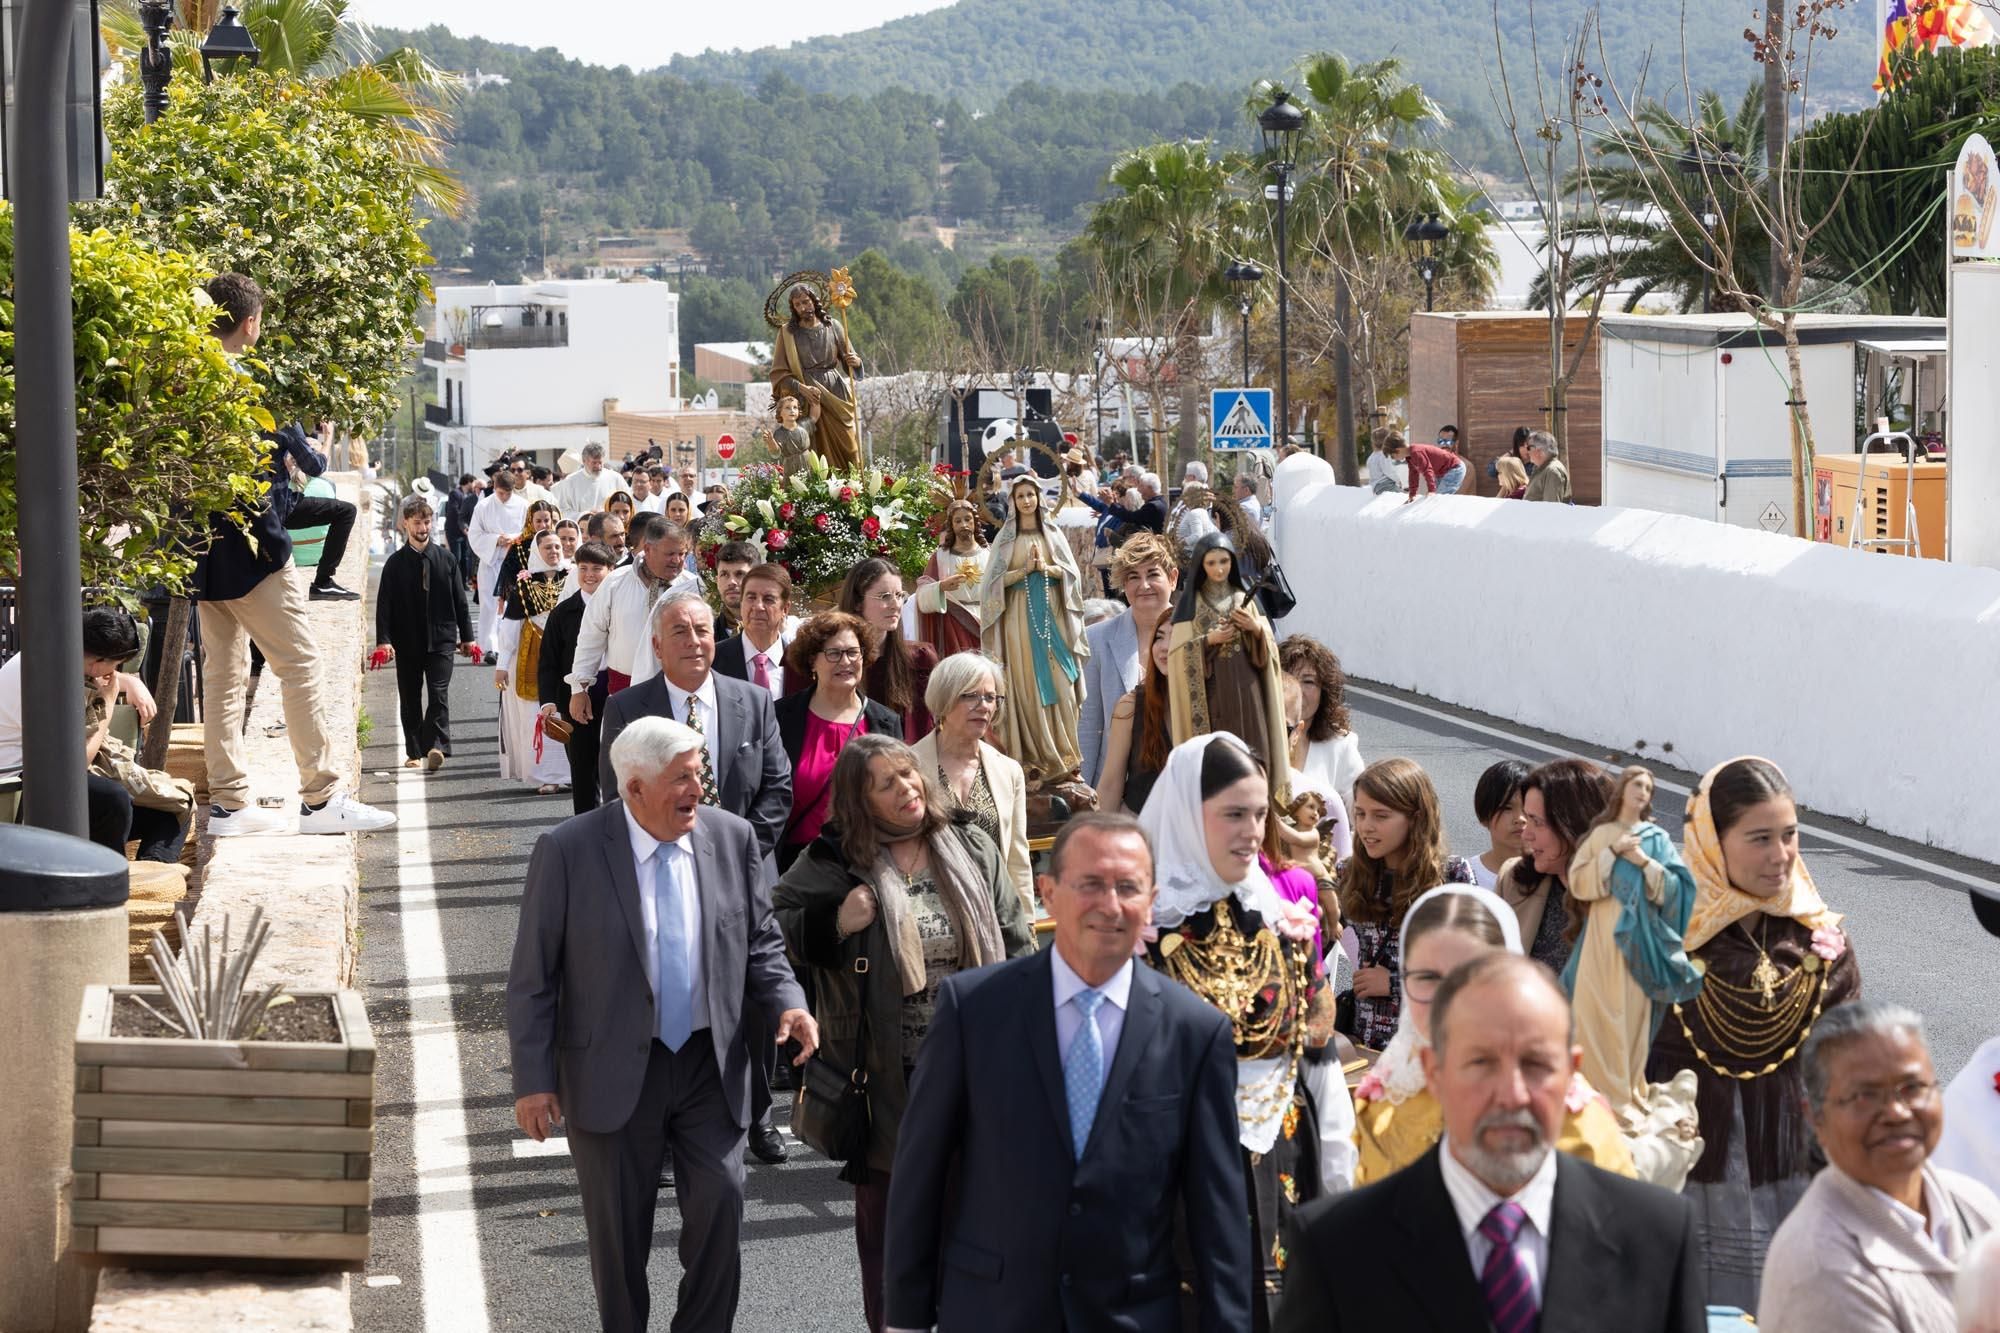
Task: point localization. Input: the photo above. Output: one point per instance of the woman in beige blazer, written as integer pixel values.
(965, 694)
(1876, 1244)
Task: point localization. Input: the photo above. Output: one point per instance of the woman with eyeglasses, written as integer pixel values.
(901, 671)
(1773, 959)
(832, 650)
(966, 695)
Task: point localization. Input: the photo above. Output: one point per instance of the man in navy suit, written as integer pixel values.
(1066, 1108)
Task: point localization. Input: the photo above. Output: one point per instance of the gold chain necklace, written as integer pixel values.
(1757, 1019)
(1229, 972)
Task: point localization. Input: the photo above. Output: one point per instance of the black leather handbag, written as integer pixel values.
(830, 1114)
(1274, 593)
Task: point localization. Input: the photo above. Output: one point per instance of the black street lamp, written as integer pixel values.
(228, 40)
(1097, 381)
(1426, 238)
(1244, 277)
(1698, 164)
(1279, 124)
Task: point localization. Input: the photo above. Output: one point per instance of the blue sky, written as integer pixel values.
(641, 33)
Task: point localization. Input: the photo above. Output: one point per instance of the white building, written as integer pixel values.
(537, 366)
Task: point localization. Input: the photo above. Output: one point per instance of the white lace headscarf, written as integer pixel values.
(1183, 874)
(1400, 1069)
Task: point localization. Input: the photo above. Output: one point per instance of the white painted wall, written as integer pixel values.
(1859, 675)
(624, 340)
(1973, 482)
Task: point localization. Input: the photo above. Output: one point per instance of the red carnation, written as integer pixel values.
(709, 556)
(871, 527)
(886, 482)
(786, 510)
(821, 521)
(777, 539)
(847, 495)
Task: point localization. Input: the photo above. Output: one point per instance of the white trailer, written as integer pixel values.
(1696, 419)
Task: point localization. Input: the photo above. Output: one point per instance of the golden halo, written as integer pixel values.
(986, 469)
(775, 313)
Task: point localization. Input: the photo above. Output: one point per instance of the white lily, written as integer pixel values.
(769, 514)
(890, 516)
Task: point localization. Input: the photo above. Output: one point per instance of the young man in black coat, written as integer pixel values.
(421, 618)
(593, 561)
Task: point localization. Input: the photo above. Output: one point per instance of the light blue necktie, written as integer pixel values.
(673, 1005)
(1083, 1070)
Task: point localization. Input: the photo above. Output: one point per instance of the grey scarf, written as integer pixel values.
(965, 900)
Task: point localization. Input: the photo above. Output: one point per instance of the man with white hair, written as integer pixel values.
(1551, 479)
(1493, 1228)
(1151, 515)
(585, 490)
(615, 634)
(744, 767)
(1246, 495)
(645, 949)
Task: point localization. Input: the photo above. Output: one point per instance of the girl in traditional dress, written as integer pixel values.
(526, 755)
(1772, 959)
(1031, 619)
(521, 551)
(1396, 1117)
(1399, 853)
(1629, 962)
(1224, 932)
(1223, 660)
(948, 590)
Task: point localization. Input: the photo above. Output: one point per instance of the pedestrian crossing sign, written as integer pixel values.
(1241, 417)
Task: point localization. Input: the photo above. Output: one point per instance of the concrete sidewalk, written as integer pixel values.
(308, 886)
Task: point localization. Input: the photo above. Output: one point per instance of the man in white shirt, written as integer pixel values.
(585, 490)
(1246, 495)
(650, 489)
(1063, 1164)
(1493, 1228)
(615, 635)
(757, 654)
(496, 521)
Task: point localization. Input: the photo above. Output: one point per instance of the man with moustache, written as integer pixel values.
(1494, 1229)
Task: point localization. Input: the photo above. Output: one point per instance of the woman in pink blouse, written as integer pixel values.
(833, 650)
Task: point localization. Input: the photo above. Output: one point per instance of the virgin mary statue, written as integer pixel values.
(1031, 620)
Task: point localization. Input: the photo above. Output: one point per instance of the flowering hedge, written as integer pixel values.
(821, 523)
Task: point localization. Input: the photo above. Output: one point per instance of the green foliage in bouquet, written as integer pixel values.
(821, 523)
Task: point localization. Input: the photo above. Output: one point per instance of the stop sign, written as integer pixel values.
(725, 447)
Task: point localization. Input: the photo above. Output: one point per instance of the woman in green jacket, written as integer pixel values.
(895, 878)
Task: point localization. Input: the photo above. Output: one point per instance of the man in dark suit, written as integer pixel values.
(594, 560)
(1065, 1109)
(756, 653)
(747, 771)
(751, 775)
(1493, 1228)
(645, 941)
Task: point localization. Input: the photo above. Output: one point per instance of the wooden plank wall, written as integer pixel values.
(1497, 374)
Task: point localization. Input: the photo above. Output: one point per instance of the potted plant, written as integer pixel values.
(215, 1121)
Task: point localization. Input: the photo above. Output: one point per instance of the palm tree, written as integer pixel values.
(1654, 211)
(1166, 234)
(1363, 172)
(319, 40)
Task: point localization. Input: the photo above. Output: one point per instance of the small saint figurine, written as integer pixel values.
(1031, 620)
(948, 590)
(1222, 661)
(790, 437)
(1629, 965)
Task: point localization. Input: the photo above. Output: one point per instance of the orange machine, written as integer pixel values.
(1884, 507)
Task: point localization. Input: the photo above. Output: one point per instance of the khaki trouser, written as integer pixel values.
(274, 614)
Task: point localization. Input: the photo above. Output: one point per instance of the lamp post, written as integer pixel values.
(1244, 277)
(228, 40)
(1426, 238)
(1097, 382)
(1279, 124)
(1699, 164)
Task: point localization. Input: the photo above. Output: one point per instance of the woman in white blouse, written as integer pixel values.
(1326, 751)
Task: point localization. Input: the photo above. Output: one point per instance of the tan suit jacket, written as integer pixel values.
(1010, 794)
(1843, 1262)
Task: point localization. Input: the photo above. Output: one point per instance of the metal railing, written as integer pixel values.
(516, 335)
(436, 350)
(437, 414)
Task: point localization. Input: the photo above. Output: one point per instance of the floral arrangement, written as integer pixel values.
(819, 523)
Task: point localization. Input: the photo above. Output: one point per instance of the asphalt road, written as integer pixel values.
(470, 1234)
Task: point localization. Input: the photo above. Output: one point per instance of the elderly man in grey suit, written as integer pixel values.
(747, 772)
(1144, 570)
(744, 769)
(645, 942)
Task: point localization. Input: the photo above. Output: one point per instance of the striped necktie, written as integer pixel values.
(1510, 1296)
(709, 795)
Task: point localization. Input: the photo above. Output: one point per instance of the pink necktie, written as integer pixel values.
(762, 677)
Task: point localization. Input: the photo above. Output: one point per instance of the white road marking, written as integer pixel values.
(453, 1280)
(556, 1145)
(1880, 853)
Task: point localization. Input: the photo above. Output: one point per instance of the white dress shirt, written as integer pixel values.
(616, 631)
(676, 861)
(774, 663)
(711, 722)
(1938, 1233)
(581, 493)
(1110, 1016)
(1472, 1200)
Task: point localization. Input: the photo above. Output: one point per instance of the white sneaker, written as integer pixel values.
(236, 823)
(343, 814)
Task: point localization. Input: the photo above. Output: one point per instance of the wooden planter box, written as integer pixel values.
(222, 1150)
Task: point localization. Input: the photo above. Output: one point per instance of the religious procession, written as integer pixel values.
(984, 817)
